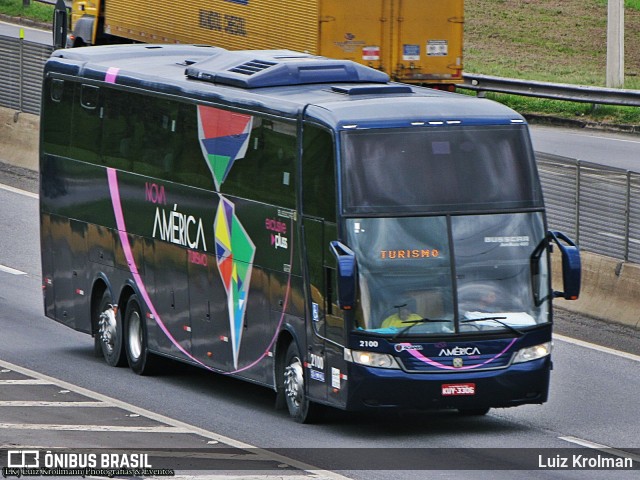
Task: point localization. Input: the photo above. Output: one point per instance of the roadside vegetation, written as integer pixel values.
(37, 11)
(561, 41)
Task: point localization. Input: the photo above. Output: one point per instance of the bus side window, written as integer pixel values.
(117, 141)
(267, 172)
(156, 136)
(87, 124)
(318, 174)
(56, 118)
(190, 164)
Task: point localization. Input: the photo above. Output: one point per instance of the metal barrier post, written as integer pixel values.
(627, 220)
(20, 74)
(578, 202)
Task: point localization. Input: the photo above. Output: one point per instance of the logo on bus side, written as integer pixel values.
(174, 226)
(279, 228)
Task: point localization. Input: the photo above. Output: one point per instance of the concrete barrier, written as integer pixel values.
(19, 138)
(610, 288)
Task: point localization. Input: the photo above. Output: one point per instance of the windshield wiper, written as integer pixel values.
(413, 323)
(497, 320)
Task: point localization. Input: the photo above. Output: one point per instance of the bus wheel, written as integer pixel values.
(300, 408)
(110, 332)
(473, 412)
(138, 356)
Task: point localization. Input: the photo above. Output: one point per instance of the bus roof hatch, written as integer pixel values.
(271, 68)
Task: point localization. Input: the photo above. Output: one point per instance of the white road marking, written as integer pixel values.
(610, 139)
(12, 271)
(31, 381)
(235, 476)
(43, 403)
(177, 425)
(18, 191)
(592, 346)
(91, 428)
(602, 448)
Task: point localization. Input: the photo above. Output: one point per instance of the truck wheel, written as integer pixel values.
(301, 409)
(110, 332)
(140, 360)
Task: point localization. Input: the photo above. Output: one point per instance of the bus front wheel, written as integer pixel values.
(110, 333)
(301, 409)
(138, 356)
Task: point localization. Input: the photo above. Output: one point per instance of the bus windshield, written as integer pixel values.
(439, 169)
(431, 220)
(449, 274)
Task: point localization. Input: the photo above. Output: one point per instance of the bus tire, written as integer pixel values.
(110, 332)
(136, 343)
(301, 409)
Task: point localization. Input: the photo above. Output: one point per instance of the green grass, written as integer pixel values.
(560, 41)
(603, 114)
(39, 12)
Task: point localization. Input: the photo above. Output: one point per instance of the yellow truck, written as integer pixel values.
(414, 41)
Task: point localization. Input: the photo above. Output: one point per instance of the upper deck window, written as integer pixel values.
(443, 169)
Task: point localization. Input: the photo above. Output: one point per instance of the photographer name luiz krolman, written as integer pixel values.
(577, 461)
(34, 462)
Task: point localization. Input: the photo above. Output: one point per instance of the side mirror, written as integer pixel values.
(347, 274)
(60, 23)
(571, 266)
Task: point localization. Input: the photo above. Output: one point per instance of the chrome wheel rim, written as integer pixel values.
(294, 382)
(108, 329)
(135, 335)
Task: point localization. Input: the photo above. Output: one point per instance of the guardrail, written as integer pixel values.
(20, 60)
(556, 91)
(598, 206)
(22, 64)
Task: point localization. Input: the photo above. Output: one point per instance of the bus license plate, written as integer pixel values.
(450, 389)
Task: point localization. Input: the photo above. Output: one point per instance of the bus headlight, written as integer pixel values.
(533, 353)
(370, 359)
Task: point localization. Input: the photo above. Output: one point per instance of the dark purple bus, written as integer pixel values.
(297, 222)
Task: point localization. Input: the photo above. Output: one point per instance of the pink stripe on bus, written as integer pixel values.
(114, 190)
(112, 74)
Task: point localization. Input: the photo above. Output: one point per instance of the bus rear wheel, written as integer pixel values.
(136, 344)
(110, 333)
(301, 409)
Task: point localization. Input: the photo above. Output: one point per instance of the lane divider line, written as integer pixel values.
(91, 428)
(10, 270)
(593, 346)
(601, 448)
(31, 381)
(18, 191)
(326, 474)
(44, 403)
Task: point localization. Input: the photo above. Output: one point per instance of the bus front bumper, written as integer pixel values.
(519, 384)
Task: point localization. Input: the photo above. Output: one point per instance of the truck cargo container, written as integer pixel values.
(414, 41)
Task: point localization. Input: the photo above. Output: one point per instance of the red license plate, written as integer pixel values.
(450, 389)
